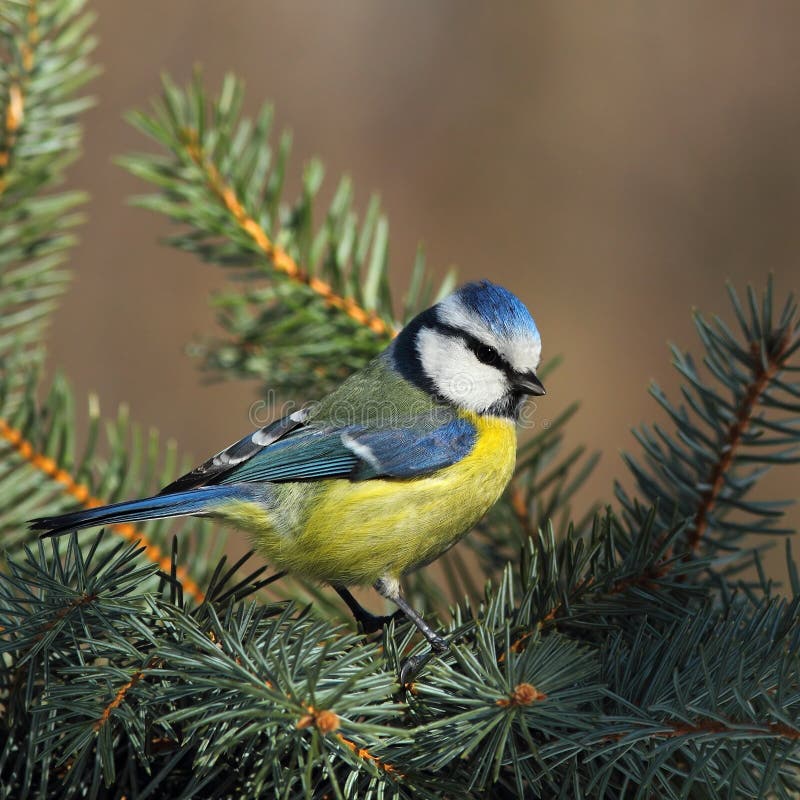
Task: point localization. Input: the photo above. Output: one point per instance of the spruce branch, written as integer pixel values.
(81, 493)
(47, 46)
(43, 470)
(736, 423)
(712, 700)
(769, 354)
(233, 697)
(26, 37)
(45, 51)
(599, 661)
(224, 184)
(276, 255)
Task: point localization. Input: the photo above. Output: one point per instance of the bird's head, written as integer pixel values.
(477, 349)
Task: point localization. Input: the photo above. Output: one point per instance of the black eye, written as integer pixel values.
(487, 354)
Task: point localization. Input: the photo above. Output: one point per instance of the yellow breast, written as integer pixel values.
(357, 532)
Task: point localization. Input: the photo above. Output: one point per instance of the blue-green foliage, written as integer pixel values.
(618, 655)
(739, 417)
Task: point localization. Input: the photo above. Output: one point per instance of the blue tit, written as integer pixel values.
(386, 473)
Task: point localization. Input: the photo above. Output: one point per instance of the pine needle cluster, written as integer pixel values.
(630, 653)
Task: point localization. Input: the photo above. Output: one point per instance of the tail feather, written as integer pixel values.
(180, 504)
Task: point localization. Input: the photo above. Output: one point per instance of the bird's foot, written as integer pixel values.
(413, 665)
(366, 622)
(369, 623)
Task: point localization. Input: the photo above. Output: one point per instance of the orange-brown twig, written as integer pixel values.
(23, 663)
(117, 700)
(364, 754)
(15, 113)
(82, 494)
(326, 721)
(763, 374)
(33, 37)
(121, 694)
(15, 110)
(675, 729)
(274, 253)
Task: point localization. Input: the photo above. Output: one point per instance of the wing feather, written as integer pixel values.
(294, 449)
(215, 468)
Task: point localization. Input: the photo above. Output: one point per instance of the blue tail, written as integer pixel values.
(180, 504)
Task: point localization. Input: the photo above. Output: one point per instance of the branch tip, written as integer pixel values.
(524, 694)
(279, 258)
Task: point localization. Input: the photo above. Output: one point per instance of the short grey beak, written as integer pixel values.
(528, 383)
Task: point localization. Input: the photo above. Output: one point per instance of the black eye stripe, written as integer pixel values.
(485, 353)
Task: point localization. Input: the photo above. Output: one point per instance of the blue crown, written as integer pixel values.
(502, 312)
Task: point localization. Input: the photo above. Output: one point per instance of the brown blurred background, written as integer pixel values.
(612, 163)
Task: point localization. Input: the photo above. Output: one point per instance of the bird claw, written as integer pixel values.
(370, 623)
(413, 665)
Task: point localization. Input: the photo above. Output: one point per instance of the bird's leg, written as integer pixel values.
(390, 589)
(368, 622)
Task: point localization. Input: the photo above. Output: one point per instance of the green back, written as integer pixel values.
(378, 396)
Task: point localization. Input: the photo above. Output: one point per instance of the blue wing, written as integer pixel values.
(290, 450)
(407, 453)
(357, 453)
(215, 468)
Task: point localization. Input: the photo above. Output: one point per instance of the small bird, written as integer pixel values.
(387, 472)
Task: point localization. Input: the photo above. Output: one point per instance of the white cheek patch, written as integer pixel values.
(523, 352)
(457, 373)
